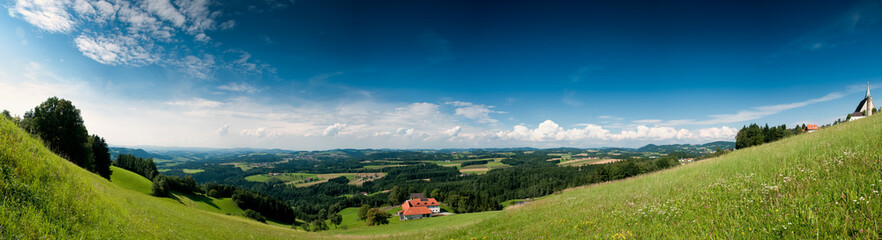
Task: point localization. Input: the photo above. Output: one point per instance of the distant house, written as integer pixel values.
(811, 128)
(418, 207)
(865, 107)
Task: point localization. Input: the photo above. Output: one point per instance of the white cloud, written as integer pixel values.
(199, 68)
(334, 130)
(202, 37)
(165, 10)
(239, 87)
(195, 103)
(551, 131)
(260, 132)
(718, 133)
(135, 34)
(115, 50)
(222, 131)
(48, 15)
(84, 7)
(648, 121)
(477, 112)
(453, 131)
(753, 113)
(228, 25)
(569, 98)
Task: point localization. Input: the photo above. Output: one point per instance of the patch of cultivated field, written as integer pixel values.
(193, 171)
(284, 177)
(382, 166)
(354, 178)
(586, 161)
(484, 168)
(458, 163)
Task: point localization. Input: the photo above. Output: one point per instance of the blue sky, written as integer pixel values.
(438, 74)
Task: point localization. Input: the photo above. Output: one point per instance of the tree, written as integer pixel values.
(393, 195)
(255, 215)
(318, 225)
(436, 193)
(377, 217)
(160, 186)
(336, 219)
(323, 214)
(60, 125)
(101, 154)
(6, 114)
(362, 212)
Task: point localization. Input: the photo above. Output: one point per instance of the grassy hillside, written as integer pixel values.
(819, 185)
(130, 180)
(46, 196)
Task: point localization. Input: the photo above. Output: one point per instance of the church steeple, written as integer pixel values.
(868, 89)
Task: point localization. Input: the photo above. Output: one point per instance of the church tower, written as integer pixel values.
(865, 108)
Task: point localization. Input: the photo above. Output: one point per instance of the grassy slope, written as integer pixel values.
(819, 185)
(130, 180)
(46, 196)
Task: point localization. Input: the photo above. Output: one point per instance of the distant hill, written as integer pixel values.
(137, 152)
(687, 148)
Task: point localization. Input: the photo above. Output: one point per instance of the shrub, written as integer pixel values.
(255, 215)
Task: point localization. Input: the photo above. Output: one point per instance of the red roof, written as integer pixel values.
(812, 127)
(418, 206)
(422, 202)
(415, 211)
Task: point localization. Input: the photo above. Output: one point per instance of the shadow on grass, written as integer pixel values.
(197, 198)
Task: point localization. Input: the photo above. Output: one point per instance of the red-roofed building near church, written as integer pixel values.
(811, 128)
(418, 207)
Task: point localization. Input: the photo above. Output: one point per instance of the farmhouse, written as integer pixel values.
(811, 128)
(865, 107)
(418, 207)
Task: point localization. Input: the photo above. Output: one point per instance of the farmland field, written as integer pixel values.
(193, 171)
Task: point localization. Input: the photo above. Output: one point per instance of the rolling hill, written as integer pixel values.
(818, 185)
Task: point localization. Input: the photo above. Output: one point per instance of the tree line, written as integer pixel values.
(754, 135)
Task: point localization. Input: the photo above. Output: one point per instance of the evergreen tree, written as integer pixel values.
(101, 154)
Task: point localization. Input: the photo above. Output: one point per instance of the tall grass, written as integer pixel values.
(44, 196)
(819, 185)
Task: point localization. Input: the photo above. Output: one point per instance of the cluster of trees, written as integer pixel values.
(59, 124)
(754, 135)
(143, 167)
(255, 215)
(372, 216)
(263, 204)
(473, 163)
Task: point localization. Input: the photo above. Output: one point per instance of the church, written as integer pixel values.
(865, 108)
